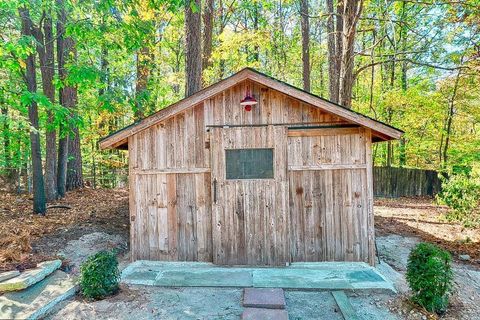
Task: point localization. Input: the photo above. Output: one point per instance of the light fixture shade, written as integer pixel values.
(248, 101)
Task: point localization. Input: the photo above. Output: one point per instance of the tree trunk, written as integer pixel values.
(11, 174)
(450, 114)
(176, 69)
(389, 142)
(341, 39)
(351, 13)
(305, 25)
(256, 14)
(332, 54)
(193, 39)
(74, 164)
(45, 53)
(207, 33)
(402, 149)
(63, 130)
(143, 73)
(69, 175)
(39, 199)
(222, 23)
(103, 70)
(62, 162)
(6, 138)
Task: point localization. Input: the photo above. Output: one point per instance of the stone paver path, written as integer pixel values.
(264, 304)
(264, 298)
(345, 306)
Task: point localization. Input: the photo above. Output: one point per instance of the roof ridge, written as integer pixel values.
(250, 73)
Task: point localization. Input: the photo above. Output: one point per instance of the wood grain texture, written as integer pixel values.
(250, 215)
(172, 218)
(381, 131)
(318, 206)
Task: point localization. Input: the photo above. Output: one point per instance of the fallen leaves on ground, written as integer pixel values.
(19, 227)
(422, 218)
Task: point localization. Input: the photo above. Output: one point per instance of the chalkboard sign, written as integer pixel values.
(249, 163)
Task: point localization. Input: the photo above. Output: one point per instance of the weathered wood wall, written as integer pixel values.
(171, 217)
(250, 217)
(273, 108)
(170, 204)
(328, 195)
(391, 182)
(318, 207)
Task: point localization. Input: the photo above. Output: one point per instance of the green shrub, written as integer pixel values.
(99, 275)
(461, 193)
(430, 276)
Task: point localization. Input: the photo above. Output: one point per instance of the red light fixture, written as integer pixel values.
(248, 101)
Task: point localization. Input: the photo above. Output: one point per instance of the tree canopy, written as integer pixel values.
(100, 65)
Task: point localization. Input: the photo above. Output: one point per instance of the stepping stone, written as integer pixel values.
(37, 300)
(345, 306)
(264, 314)
(269, 298)
(8, 275)
(30, 277)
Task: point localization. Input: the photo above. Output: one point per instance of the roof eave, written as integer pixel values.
(383, 131)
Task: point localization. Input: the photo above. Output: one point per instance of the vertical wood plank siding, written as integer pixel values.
(329, 208)
(317, 207)
(251, 216)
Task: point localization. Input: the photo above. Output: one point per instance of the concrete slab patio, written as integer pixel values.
(301, 276)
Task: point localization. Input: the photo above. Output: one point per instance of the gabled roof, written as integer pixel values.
(380, 130)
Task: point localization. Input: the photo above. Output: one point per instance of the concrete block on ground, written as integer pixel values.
(140, 277)
(345, 306)
(292, 278)
(264, 298)
(8, 275)
(30, 277)
(37, 300)
(264, 314)
(205, 278)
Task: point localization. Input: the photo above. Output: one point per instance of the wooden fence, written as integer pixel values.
(390, 182)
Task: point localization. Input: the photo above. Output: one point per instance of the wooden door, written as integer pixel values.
(250, 217)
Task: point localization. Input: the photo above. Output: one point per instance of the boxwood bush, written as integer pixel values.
(99, 275)
(430, 276)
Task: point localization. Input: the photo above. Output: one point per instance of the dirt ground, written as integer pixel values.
(98, 219)
(26, 238)
(422, 218)
(393, 251)
(142, 303)
(401, 223)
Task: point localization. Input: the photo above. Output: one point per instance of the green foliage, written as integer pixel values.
(430, 276)
(396, 80)
(99, 275)
(461, 193)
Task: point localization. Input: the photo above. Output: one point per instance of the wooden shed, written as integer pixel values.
(289, 180)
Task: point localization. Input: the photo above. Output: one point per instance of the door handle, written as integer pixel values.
(215, 190)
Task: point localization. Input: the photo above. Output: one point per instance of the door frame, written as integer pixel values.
(250, 217)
